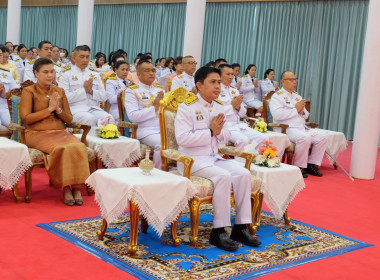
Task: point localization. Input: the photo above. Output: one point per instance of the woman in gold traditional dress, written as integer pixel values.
(45, 110)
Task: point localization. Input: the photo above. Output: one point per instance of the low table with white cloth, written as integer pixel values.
(280, 141)
(114, 153)
(160, 197)
(15, 160)
(337, 143)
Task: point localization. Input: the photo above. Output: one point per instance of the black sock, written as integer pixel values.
(219, 230)
(240, 226)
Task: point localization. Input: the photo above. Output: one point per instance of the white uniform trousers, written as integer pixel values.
(303, 140)
(247, 136)
(5, 118)
(222, 174)
(154, 141)
(252, 103)
(114, 112)
(91, 117)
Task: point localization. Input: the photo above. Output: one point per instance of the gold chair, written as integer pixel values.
(37, 157)
(171, 155)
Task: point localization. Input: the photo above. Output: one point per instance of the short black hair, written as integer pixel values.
(41, 62)
(266, 73)
(141, 61)
(210, 64)
(84, 48)
(203, 72)
(234, 65)
(219, 60)
(146, 57)
(42, 43)
(4, 49)
(249, 68)
(20, 47)
(8, 42)
(224, 66)
(119, 63)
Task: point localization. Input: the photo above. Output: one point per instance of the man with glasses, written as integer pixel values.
(142, 101)
(288, 107)
(186, 79)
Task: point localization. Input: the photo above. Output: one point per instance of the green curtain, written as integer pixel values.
(57, 24)
(155, 28)
(321, 41)
(3, 24)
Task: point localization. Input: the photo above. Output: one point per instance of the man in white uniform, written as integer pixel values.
(288, 107)
(199, 130)
(142, 101)
(241, 133)
(84, 89)
(186, 79)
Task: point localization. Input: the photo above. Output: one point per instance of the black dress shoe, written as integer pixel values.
(241, 234)
(312, 170)
(303, 172)
(220, 239)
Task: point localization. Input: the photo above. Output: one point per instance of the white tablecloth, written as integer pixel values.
(14, 161)
(160, 197)
(337, 143)
(279, 186)
(280, 141)
(115, 153)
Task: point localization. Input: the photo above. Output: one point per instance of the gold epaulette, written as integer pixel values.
(67, 68)
(5, 69)
(93, 69)
(239, 76)
(56, 64)
(18, 59)
(191, 100)
(157, 67)
(158, 86)
(279, 92)
(266, 79)
(296, 92)
(110, 76)
(218, 101)
(180, 76)
(245, 76)
(132, 71)
(129, 80)
(134, 86)
(105, 63)
(232, 86)
(31, 61)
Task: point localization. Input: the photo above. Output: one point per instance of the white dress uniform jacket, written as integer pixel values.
(20, 64)
(192, 130)
(267, 85)
(241, 133)
(236, 80)
(282, 107)
(184, 80)
(7, 79)
(115, 85)
(250, 92)
(29, 75)
(84, 106)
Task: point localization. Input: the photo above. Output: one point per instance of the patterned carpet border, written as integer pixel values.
(283, 247)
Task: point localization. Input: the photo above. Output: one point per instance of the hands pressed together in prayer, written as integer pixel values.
(88, 85)
(236, 102)
(54, 103)
(156, 102)
(300, 105)
(2, 90)
(217, 123)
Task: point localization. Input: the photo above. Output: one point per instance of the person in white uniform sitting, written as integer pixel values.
(199, 130)
(241, 133)
(288, 107)
(84, 89)
(250, 89)
(268, 84)
(186, 79)
(142, 101)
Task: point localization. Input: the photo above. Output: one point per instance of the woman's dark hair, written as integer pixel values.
(234, 65)
(114, 58)
(4, 49)
(119, 63)
(249, 68)
(203, 72)
(41, 62)
(20, 47)
(66, 52)
(168, 60)
(210, 64)
(99, 55)
(266, 73)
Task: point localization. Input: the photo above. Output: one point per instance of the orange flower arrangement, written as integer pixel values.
(267, 155)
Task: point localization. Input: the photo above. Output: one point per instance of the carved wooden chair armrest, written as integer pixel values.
(283, 126)
(19, 128)
(78, 125)
(124, 124)
(178, 156)
(233, 151)
(312, 125)
(250, 120)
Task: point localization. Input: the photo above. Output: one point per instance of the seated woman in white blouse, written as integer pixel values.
(250, 89)
(268, 84)
(116, 84)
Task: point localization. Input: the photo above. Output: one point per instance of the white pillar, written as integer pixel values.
(367, 123)
(194, 26)
(85, 17)
(14, 21)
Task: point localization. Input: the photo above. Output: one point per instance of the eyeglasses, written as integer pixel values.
(192, 63)
(292, 79)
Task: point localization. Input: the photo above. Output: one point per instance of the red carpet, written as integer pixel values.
(332, 202)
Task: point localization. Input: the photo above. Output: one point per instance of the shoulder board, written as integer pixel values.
(296, 92)
(92, 60)
(134, 86)
(32, 61)
(132, 71)
(157, 67)
(239, 76)
(180, 76)
(245, 76)
(232, 86)
(129, 80)
(266, 79)
(93, 69)
(110, 77)
(158, 86)
(5, 69)
(55, 63)
(218, 101)
(18, 59)
(279, 92)
(106, 63)
(67, 68)
(191, 100)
